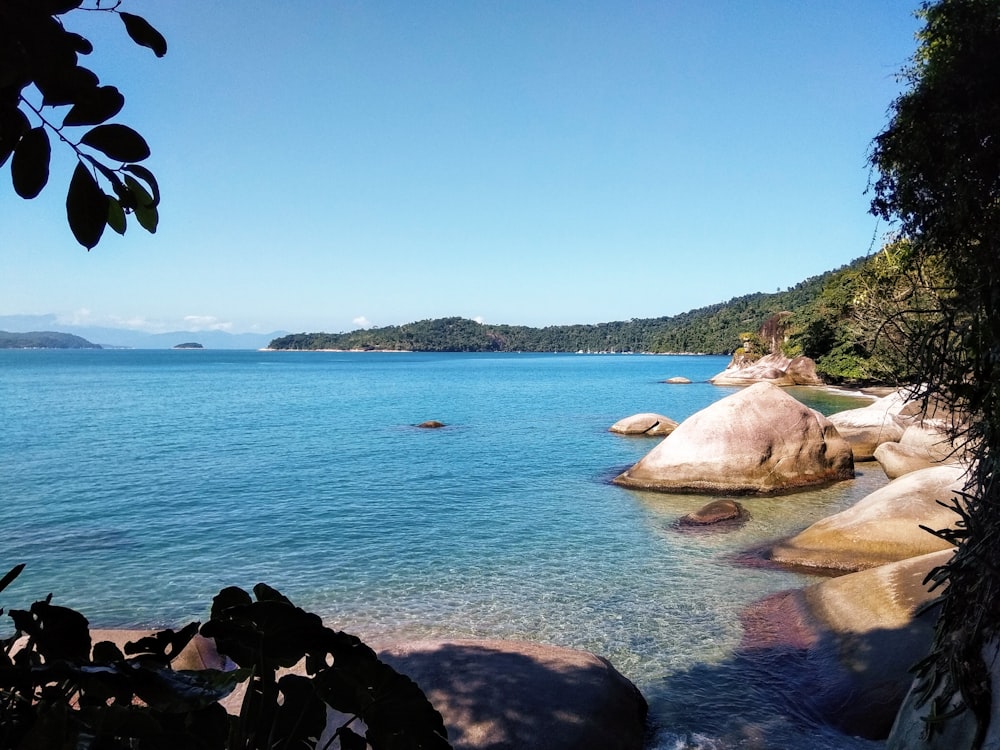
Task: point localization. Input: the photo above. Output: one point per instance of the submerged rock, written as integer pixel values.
(716, 511)
(883, 527)
(677, 381)
(646, 423)
(432, 424)
(859, 635)
(760, 440)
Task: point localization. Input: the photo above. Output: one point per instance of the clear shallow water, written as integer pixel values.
(135, 484)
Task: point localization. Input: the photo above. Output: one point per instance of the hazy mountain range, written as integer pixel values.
(123, 337)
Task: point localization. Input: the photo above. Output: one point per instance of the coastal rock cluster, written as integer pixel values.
(860, 632)
(757, 441)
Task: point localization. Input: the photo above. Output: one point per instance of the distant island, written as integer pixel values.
(817, 319)
(44, 340)
(189, 345)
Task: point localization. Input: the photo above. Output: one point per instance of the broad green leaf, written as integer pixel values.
(144, 174)
(117, 141)
(148, 217)
(86, 207)
(100, 106)
(144, 34)
(116, 216)
(29, 169)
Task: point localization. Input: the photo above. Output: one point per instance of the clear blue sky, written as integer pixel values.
(327, 164)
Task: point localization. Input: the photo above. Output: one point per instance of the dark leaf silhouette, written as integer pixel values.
(117, 141)
(144, 34)
(29, 169)
(86, 207)
(99, 106)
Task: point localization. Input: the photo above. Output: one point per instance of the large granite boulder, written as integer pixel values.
(776, 369)
(759, 440)
(647, 423)
(492, 695)
(505, 695)
(870, 426)
(882, 527)
(859, 635)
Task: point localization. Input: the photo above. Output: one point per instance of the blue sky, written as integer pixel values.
(328, 164)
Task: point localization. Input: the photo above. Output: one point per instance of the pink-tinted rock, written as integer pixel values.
(716, 511)
(646, 423)
(759, 440)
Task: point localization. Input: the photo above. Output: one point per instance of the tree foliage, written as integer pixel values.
(40, 76)
(60, 690)
(938, 163)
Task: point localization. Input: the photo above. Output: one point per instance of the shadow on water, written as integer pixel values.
(788, 687)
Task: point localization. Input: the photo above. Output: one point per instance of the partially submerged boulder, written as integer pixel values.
(431, 424)
(883, 527)
(646, 423)
(870, 426)
(757, 441)
(717, 511)
(505, 695)
(860, 633)
(776, 369)
(677, 380)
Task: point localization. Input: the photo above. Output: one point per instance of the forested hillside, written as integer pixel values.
(43, 340)
(822, 325)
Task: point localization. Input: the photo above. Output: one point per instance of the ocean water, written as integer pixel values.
(136, 484)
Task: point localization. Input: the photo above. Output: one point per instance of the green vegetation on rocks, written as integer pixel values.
(823, 317)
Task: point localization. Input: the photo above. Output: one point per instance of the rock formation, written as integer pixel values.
(883, 527)
(860, 634)
(524, 696)
(870, 426)
(715, 512)
(759, 440)
(776, 369)
(646, 423)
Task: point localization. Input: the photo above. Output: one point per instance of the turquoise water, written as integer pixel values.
(135, 484)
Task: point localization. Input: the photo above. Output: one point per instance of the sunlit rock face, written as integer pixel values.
(776, 369)
(646, 423)
(883, 527)
(870, 426)
(757, 441)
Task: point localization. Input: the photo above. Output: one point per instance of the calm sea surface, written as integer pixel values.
(136, 484)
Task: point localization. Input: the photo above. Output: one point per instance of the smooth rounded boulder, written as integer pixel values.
(717, 511)
(757, 441)
(506, 695)
(870, 426)
(646, 423)
(776, 369)
(883, 527)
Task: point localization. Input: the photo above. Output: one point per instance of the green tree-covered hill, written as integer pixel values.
(44, 340)
(823, 324)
